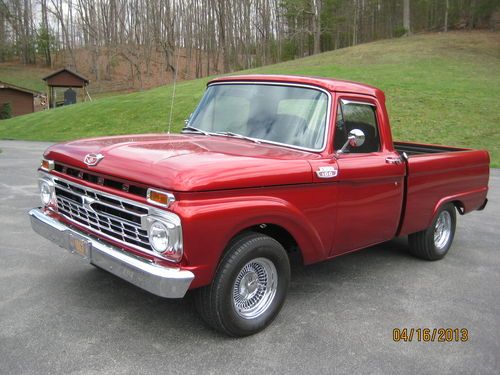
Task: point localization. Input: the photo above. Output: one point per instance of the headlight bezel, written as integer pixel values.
(174, 249)
(49, 184)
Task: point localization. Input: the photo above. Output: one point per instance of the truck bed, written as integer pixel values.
(439, 174)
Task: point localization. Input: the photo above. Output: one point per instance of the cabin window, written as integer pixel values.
(357, 115)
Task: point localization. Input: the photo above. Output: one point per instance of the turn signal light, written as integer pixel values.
(160, 198)
(47, 165)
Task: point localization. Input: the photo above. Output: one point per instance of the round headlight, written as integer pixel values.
(45, 192)
(158, 237)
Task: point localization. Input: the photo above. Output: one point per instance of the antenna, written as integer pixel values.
(173, 93)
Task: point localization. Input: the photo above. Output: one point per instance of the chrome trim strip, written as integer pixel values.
(327, 121)
(346, 101)
(162, 281)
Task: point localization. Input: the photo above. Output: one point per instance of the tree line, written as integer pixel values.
(214, 36)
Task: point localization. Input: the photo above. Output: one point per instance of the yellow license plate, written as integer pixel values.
(79, 245)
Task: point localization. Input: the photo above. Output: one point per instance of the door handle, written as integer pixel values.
(393, 160)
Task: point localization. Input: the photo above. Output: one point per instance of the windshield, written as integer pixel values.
(288, 115)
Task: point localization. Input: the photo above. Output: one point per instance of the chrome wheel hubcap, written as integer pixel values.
(255, 288)
(442, 230)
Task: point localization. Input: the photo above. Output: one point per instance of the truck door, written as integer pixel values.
(370, 178)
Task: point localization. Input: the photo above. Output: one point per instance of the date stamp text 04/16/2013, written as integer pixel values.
(430, 334)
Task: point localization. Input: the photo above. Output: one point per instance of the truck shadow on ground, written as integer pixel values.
(177, 318)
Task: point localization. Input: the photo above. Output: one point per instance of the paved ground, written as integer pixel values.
(61, 316)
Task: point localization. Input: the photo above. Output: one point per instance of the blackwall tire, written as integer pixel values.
(434, 242)
(249, 288)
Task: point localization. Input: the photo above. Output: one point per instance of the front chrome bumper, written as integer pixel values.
(162, 281)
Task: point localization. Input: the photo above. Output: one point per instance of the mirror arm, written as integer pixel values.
(345, 146)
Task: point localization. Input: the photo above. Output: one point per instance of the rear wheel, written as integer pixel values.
(249, 287)
(434, 242)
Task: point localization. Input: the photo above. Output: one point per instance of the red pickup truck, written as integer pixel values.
(266, 167)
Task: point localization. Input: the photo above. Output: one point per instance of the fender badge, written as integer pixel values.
(93, 159)
(326, 172)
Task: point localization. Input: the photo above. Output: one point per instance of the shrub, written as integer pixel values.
(5, 111)
(399, 31)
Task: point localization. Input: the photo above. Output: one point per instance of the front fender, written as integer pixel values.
(209, 225)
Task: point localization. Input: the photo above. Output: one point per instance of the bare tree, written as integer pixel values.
(57, 10)
(406, 16)
(446, 15)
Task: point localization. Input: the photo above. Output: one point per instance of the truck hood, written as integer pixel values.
(188, 162)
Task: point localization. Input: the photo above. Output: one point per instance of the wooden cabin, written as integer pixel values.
(21, 100)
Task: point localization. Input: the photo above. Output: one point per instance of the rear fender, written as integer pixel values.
(464, 202)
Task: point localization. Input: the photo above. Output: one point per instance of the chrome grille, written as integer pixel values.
(104, 214)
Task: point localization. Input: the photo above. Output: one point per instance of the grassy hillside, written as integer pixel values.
(440, 88)
(24, 76)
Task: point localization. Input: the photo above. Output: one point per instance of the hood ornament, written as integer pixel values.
(93, 159)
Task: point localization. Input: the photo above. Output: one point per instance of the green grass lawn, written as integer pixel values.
(440, 88)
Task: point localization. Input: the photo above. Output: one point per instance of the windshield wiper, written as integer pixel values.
(194, 130)
(235, 135)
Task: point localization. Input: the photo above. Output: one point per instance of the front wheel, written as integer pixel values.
(434, 242)
(249, 287)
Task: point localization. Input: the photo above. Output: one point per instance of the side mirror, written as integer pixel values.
(356, 138)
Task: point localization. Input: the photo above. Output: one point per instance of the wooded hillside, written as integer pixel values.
(197, 38)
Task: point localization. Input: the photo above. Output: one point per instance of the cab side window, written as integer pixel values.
(356, 115)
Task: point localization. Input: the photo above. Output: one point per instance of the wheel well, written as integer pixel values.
(276, 232)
